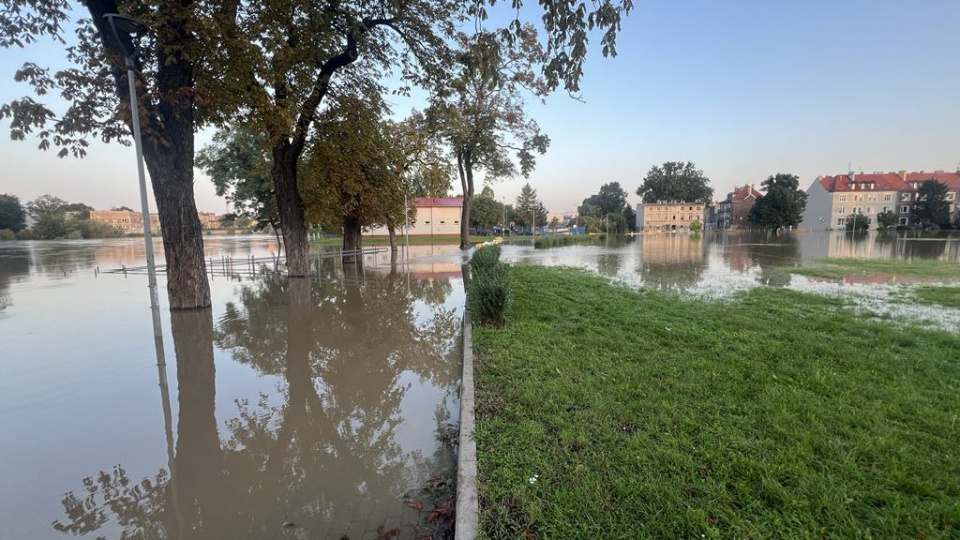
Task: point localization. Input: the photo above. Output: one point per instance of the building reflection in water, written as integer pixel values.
(348, 352)
(671, 261)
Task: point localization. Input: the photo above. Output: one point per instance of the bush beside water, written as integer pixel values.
(489, 295)
(545, 242)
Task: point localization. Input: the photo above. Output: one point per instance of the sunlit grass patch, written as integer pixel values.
(605, 412)
(844, 268)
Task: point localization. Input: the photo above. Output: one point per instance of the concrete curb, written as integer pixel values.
(468, 503)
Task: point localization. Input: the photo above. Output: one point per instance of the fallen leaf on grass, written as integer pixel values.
(416, 505)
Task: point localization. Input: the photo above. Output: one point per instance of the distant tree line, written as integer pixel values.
(52, 217)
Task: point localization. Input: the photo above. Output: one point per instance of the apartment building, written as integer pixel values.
(126, 221)
(831, 200)
(669, 216)
(734, 211)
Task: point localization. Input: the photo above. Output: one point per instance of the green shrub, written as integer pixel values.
(483, 259)
(489, 296)
(696, 226)
(7, 234)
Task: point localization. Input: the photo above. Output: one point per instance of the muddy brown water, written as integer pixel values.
(291, 408)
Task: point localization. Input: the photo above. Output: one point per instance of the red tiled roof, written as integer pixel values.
(951, 179)
(422, 202)
(742, 193)
(867, 182)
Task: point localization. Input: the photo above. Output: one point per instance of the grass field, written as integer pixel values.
(605, 412)
(414, 240)
(936, 296)
(842, 268)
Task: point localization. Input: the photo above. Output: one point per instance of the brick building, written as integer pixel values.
(668, 216)
(734, 211)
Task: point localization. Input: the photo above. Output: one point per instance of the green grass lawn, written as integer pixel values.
(414, 240)
(842, 268)
(605, 412)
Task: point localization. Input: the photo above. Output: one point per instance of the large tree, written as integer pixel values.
(676, 181)
(12, 214)
(239, 166)
(782, 204)
(97, 96)
(530, 211)
(482, 114)
(486, 211)
(610, 206)
(932, 207)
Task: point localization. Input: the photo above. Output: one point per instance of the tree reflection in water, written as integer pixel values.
(321, 451)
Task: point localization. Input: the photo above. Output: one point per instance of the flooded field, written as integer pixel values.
(295, 408)
(291, 409)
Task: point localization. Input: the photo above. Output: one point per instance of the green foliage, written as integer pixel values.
(886, 220)
(7, 234)
(782, 204)
(932, 207)
(94, 229)
(610, 206)
(13, 216)
(486, 211)
(934, 295)
(529, 206)
(675, 181)
(696, 226)
(489, 294)
(239, 166)
(604, 412)
(857, 223)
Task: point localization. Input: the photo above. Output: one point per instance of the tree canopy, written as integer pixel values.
(528, 206)
(610, 206)
(932, 207)
(675, 181)
(782, 204)
(13, 216)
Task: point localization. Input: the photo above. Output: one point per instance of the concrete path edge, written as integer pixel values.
(468, 502)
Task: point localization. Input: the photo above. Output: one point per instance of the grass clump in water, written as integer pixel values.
(489, 294)
(605, 412)
(545, 242)
(844, 268)
(937, 296)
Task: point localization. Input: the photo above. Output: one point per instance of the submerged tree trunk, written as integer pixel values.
(465, 168)
(293, 223)
(393, 238)
(167, 136)
(352, 241)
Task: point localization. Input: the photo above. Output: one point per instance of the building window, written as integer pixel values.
(904, 209)
(840, 221)
(841, 210)
(949, 196)
(886, 198)
(443, 222)
(904, 221)
(843, 198)
(886, 208)
(869, 209)
(457, 222)
(426, 222)
(905, 197)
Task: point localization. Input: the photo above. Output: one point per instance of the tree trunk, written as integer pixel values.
(464, 167)
(293, 223)
(167, 136)
(393, 238)
(352, 241)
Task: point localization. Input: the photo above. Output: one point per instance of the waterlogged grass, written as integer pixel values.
(844, 268)
(605, 412)
(544, 242)
(401, 241)
(937, 296)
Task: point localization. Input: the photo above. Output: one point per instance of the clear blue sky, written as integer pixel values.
(744, 89)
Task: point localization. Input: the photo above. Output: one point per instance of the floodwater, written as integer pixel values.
(295, 408)
(305, 408)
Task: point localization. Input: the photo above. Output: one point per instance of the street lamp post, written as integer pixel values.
(128, 26)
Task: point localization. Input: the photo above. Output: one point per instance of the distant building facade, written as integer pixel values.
(436, 216)
(669, 216)
(125, 220)
(734, 211)
(831, 200)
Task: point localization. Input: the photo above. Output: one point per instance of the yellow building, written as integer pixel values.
(436, 216)
(126, 221)
(668, 216)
